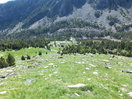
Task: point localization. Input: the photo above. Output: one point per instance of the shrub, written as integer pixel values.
(10, 60)
(40, 53)
(3, 63)
(48, 47)
(98, 14)
(22, 58)
(28, 57)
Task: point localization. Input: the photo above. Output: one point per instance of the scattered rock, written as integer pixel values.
(108, 67)
(77, 94)
(95, 73)
(45, 67)
(55, 72)
(88, 92)
(7, 75)
(23, 67)
(123, 89)
(87, 69)
(84, 72)
(76, 86)
(54, 65)
(92, 65)
(127, 71)
(51, 64)
(121, 94)
(9, 71)
(125, 85)
(1, 83)
(3, 92)
(62, 62)
(105, 60)
(29, 81)
(80, 62)
(89, 79)
(50, 75)
(130, 94)
(90, 54)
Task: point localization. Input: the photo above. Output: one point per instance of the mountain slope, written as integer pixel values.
(111, 15)
(33, 10)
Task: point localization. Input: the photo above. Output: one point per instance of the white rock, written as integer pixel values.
(54, 65)
(123, 89)
(130, 94)
(1, 83)
(62, 62)
(84, 72)
(1, 55)
(121, 94)
(89, 79)
(105, 60)
(55, 72)
(108, 67)
(80, 62)
(3, 92)
(76, 86)
(23, 67)
(29, 81)
(50, 75)
(87, 69)
(51, 64)
(9, 71)
(77, 94)
(125, 85)
(95, 73)
(91, 54)
(46, 67)
(92, 65)
(88, 92)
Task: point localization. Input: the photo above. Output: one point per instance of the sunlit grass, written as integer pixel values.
(48, 76)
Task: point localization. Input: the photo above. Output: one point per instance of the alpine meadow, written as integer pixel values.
(66, 49)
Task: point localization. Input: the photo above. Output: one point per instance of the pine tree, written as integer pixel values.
(40, 53)
(10, 60)
(22, 58)
(28, 57)
(48, 47)
(3, 63)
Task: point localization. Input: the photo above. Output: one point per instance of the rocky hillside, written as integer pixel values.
(100, 15)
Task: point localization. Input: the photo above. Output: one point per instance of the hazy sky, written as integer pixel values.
(4, 1)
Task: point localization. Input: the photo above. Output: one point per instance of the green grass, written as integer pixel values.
(47, 76)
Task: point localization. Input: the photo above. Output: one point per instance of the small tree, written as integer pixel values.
(48, 47)
(3, 63)
(22, 58)
(61, 54)
(40, 53)
(28, 57)
(10, 60)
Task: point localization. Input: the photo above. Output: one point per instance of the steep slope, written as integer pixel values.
(31, 11)
(107, 15)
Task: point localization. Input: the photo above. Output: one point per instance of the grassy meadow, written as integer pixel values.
(48, 76)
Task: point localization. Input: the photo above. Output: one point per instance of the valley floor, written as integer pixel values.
(48, 76)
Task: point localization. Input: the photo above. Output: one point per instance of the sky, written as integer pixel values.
(4, 1)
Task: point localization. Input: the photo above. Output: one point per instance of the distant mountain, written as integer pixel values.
(75, 15)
